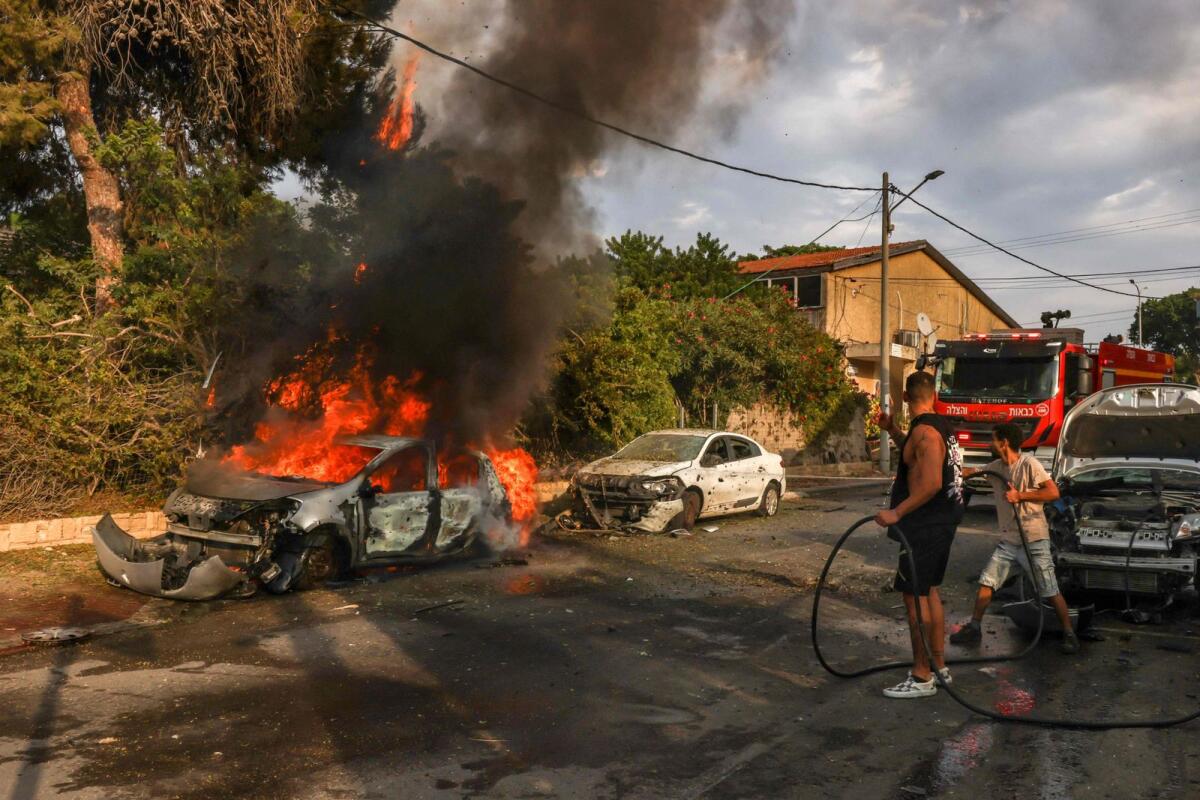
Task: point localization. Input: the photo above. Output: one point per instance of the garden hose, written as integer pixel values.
(1025, 719)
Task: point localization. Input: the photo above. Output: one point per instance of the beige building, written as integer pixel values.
(838, 291)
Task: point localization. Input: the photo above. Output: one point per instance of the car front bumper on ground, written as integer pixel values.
(126, 560)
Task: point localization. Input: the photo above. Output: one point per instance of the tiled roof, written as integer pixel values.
(814, 259)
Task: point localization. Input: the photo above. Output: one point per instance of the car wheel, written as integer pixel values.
(686, 518)
(321, 563)
(769, 506)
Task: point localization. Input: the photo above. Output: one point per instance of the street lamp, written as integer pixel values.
(885, 344)
(1141, 342)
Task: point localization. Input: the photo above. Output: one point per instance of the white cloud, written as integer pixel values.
(691, 214)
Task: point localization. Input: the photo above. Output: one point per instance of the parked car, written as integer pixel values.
(670, 479)
(1128, 468)
(230, 531)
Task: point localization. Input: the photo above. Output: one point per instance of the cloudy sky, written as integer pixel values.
(1048, 116)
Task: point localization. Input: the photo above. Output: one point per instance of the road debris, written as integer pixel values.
(56, 636)
(437, 606)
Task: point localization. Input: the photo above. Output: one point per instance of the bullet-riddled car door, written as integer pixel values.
(748, 475)
(714, 477)
(463, 488)
(398, 506)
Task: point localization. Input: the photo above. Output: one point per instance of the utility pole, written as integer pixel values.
(885, 344)
(1141, 341)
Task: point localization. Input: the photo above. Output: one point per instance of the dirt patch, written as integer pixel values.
(50, 586)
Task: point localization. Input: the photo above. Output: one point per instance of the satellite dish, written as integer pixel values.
(924, 325)
(931, 342)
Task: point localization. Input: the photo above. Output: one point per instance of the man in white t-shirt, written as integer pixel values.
(1028, 489)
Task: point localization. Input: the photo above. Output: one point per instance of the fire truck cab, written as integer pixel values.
(1030, 377)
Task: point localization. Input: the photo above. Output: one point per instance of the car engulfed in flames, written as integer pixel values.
(230, 531)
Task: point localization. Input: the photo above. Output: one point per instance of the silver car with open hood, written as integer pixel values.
(230, 531)
(1128, 465)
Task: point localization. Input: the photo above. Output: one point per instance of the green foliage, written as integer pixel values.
(114, 402)
(791, 250)
(613, 382)
(1169, 325)
(673, 344)
(32, 40)
(705, 269)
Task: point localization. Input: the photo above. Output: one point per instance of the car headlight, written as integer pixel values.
(662, 486)
(1188, 526)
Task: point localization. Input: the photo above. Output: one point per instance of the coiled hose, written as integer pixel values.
(1024, 719)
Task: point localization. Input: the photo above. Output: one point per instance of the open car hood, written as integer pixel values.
(1151, 423)
(213, 479)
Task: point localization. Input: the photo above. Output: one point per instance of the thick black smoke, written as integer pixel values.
(651, 67)
(448, 229)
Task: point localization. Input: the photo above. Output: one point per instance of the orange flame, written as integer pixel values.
(359, 271)
(396, 127)
(309, 411)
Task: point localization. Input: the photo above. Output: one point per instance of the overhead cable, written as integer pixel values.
(1011, 254)
(760, 276)
(580, 113)
(1154, 219)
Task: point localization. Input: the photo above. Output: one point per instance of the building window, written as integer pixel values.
(805, 290)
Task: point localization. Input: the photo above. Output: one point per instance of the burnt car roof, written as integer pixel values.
(381, 440)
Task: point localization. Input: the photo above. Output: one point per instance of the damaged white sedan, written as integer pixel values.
(1128, 467)
(231, 531)
(669, 479)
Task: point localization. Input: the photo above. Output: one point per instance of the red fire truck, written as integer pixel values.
(1031, 377)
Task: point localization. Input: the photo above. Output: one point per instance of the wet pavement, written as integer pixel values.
(606, 667)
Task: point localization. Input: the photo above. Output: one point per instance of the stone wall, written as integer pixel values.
(778, 430)
(74, 530)
(139, 524)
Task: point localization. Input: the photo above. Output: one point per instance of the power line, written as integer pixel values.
(1043, 279)
(760, 276)
(967, 252)
(1055, 234)
(1009, 253)
(870, 217)
(580, 113)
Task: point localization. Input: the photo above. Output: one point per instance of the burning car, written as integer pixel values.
(230, 530)
(669, 479)
(1128, 464)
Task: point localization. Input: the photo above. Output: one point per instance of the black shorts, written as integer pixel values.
(931, 551)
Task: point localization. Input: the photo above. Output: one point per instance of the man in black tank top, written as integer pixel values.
(927, 504)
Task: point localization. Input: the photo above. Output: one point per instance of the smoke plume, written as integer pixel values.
(454, 228)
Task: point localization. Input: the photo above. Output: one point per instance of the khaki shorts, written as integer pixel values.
(1007, 557)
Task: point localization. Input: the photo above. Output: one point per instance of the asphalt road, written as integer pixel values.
(624, 667)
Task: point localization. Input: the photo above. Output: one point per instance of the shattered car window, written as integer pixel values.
(661, 447)
(403, 472)
(337, 464)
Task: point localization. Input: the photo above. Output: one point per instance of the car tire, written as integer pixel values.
(321, 563)
(686, 519)
(769, 506)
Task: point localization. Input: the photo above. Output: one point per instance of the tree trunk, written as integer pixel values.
(101, 192)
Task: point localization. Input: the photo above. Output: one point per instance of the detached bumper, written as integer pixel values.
(133, 563)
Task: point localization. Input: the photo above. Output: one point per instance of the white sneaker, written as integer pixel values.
(945, 673)
(911, 687)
